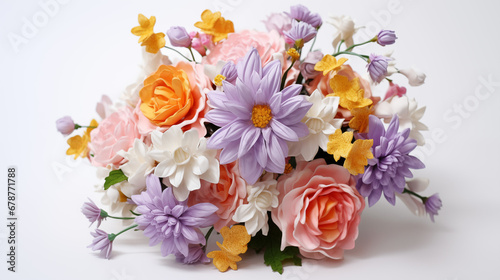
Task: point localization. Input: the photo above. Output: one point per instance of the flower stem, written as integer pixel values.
(179, 53)
(340, 44)
(207, 236)
(314, 41)
(77, 126)
(357, 45)
(364, 57)
(121, 218)
(112, 236)
(283, 80)
(415, 194)
(192, 55)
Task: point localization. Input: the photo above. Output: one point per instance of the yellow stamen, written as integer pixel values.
(218, 80)
(288, 168)
(261, 115)
(293, 53)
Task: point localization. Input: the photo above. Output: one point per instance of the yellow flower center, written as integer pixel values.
(288, 168)
(293, 53)
(218, 80)
(261, 115)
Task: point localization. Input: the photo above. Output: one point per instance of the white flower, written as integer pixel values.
(139, 165)
(409, 115)
(150, 63)
(320, 120)
(413, 203)
(391, 67)
(415, 77)
(262, 197)
(213, 70)
(183, 160)
(345, 30)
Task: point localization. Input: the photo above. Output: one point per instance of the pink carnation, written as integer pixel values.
(227, 195)
(115, 133)
(319, 209)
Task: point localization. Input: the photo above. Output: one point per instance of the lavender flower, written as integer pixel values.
(278, 22)
(164, 219)
(307, 66)
(65, 125)
(229, 71)
(386, 172)
(195, 255)
(179, 37)
(432, 205)
(256, 119)
(300, 33)
(377, 67)
(302, 13)
(103, 242)
(386, 37)
(93, 213)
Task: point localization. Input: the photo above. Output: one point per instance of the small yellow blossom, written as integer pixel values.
(145, 28)
(358, 156)
(235, 242)
(78, 144)
(360, 118)
(153, 41)
(339, 144)
(293, 53)
(329, 63)
(350, 93)
(214, 24)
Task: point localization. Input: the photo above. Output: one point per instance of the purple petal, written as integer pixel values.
(249, 64)
(250, 169)
(283, 131)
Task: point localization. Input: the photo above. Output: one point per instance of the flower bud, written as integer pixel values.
(65, 125)
(415, 77)
(386, 37)
(179, 37)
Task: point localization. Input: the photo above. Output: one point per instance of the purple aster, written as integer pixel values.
(195, 255)
(101, 242)
(165, 219)
(302, 13)
(377, 67)
(256, 118)
(432, 205)
(229, 71)
(391, 161)
(300, 33)
(386, 37)
(93, 213)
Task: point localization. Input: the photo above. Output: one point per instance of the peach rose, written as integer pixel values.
(173, 95)
(319, 209)
(227, 195)
(322, 83)
(115, 133)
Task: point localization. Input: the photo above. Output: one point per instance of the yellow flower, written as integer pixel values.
(235, 242)
(293, 53)
(360, 118)
(145, 28)
(214, 24)
(356, 154)
(329, 63)
(350, 93)
(153, 41)
(78, 144)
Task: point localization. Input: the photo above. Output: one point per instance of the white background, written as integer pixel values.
(82, 50)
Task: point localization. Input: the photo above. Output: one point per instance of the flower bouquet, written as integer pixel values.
(257, 136)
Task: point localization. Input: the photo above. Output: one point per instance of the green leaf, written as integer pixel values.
(114, 177)
(273, 256)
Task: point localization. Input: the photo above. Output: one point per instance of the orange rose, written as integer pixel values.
(166, 96)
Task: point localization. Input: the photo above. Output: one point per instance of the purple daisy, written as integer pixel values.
(302, 13)
(300, 33)
(256, 119)
(165, 219)
(93, 213)
(377, 67)
(432, 205)
(391, 161)
(102, 242)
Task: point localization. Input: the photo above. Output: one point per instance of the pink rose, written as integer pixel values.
(227, 195)
(195, 117)
(322, 83)
(201, 42)
(319, 209)
(115, 133)
(238, 44)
